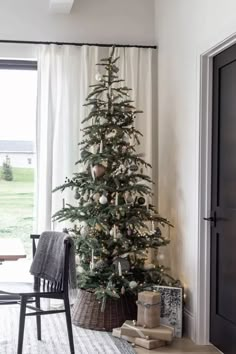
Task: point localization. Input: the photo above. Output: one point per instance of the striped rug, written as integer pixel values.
(54, 336)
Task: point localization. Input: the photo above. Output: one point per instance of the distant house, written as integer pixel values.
(18, 153)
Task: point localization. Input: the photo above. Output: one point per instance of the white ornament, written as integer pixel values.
(160, 257)
(80, 269)
(112, 232)
(84, 230)
(98, 77)
(77, 259)
(103, 200)
(133, 284)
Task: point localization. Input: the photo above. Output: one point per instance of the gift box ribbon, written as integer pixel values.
(146, 304)
(140, 333)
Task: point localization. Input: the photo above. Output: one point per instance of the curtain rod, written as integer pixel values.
(79, 44)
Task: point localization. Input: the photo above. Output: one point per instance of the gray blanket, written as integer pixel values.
(48, 261)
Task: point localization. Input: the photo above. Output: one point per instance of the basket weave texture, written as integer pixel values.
(87, 312)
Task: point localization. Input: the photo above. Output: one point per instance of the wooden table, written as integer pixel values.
(11, 249)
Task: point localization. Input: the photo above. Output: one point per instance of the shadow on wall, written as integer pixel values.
(170, 199)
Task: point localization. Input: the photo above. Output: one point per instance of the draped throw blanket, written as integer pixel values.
(48, 262)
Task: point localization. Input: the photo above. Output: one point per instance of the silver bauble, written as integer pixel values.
(103, 200)
(133, 284)
(98, 77)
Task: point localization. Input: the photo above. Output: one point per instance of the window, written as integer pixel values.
(18, 84)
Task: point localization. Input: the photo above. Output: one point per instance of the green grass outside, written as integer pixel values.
(16, 206)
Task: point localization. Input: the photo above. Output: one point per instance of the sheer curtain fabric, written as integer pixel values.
(64, 75)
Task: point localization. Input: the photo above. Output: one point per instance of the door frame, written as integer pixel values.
(202, 324)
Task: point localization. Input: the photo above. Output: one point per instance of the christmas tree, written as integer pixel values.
(114, 220)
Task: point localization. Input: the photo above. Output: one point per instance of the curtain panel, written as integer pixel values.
(64, 75)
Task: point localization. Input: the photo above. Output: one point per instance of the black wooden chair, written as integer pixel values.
(32, 293)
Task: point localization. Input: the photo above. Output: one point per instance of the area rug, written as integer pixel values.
(54, 336)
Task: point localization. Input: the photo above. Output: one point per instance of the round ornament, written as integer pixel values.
(160, 257)
(80, 269)
(99, 170)
(103, 200)
(141, 200)
(133, 284)
(100, 264)
(98, 77)
(133, 168)
(77, 195)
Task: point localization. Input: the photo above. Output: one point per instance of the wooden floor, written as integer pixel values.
(179, 346)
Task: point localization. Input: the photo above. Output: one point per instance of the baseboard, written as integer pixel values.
(189, 330)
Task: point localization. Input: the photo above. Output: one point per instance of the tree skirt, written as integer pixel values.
(54, 336)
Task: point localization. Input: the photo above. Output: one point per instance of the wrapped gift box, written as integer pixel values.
(171, 307)
(149, 304)
(164, 333)
(142, 342)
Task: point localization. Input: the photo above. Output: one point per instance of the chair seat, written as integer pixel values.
(24, 289)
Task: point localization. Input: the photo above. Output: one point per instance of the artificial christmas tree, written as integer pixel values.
(114, 220)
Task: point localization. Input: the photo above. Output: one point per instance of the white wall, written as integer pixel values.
(102, 21)
(184, 30)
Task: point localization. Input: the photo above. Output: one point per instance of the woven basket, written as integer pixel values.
(87, 312)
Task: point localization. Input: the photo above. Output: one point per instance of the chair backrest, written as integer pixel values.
(61, 286)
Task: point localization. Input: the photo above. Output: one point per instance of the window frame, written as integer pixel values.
(18, 64)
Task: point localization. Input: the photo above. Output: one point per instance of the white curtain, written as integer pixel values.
(64, 74)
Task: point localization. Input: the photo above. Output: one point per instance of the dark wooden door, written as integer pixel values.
(223, 230)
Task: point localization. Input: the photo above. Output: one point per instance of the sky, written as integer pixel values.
(18, 104)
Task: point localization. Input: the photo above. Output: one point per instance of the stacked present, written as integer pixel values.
(146, 331)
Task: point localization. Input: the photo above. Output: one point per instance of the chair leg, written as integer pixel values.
(69, 324)
(38, 318)
(21, 325)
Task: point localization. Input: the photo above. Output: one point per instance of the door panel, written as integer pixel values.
(223, 232)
